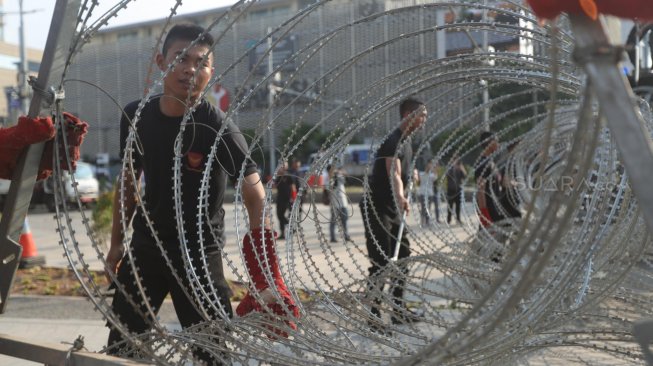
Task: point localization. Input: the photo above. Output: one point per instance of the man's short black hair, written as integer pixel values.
(186, 32)
(409, 105)
(486, 138)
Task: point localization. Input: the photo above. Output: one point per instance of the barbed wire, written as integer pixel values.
(571, 273)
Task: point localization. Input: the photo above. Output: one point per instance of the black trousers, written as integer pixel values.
(385, 229)
(158, 281)
(453, 199)
(282, 208)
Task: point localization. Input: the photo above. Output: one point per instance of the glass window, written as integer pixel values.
(83, 171)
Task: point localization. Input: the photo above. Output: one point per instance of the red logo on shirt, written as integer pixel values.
(194, 161)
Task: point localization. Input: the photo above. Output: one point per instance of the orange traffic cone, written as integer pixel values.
(30, 257)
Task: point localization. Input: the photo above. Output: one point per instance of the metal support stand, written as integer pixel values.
(57, 47)
(617, 104)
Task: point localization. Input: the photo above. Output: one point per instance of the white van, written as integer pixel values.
(88, 187)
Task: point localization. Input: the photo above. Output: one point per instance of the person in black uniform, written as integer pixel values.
(456, 175)
(285, 186)
(157, 227)
(383, 206)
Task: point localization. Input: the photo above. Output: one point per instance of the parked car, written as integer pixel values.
(88, 187)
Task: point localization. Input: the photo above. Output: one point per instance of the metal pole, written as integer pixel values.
(352, 35)
(440, 35)
(400, 234)
(22, 69)
(320, 25)
(486, 92)
(271, 143)
(386, 63)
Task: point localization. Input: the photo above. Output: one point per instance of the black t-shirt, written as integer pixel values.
(455, 177)
(487, 170)
(509, 200)
(284, 188)
(157, 134)
(381, 188)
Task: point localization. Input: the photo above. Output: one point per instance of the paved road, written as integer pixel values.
(304, 255)
(62, 319)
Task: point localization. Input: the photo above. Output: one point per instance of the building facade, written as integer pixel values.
(9, 63)
(334, 65)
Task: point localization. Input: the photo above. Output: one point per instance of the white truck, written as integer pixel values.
(355, 160)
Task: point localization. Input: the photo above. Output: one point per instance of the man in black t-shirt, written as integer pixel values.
(383, 206)
(176, 245)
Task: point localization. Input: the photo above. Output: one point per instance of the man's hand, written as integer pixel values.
(276, 301)
(114, 256)
(404, 205)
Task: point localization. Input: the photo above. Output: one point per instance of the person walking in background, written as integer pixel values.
(338, 202)
(297, 176)
(456, 175)
(382, 208)
(434, 200)
(426, 195)
(285, 186)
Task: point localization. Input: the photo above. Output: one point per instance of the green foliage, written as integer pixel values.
(312, 143)
(260, 155)
(103, 215)
(513, 105)
(450, 136)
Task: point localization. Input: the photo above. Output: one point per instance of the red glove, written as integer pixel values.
(261, 259)
(640, 9)
(15, 138)
(293, 194)
(486, 219)
(75, 130)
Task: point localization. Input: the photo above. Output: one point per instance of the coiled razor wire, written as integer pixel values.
(563, 283)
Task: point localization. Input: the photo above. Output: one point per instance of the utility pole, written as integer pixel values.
(22, 68)
(22, 89)
(271, 143)
(485, 86)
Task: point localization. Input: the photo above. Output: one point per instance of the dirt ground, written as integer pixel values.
(63, 282)
(52, 281)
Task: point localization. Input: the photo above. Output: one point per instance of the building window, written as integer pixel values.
(126, 36)
(269, 13)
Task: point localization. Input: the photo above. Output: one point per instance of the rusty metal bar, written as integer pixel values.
(54, 354)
